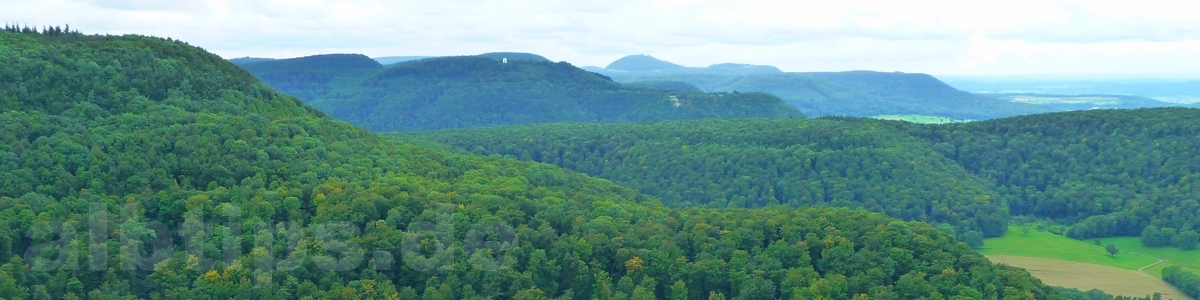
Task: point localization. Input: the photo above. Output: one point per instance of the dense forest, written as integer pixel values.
(761, 163)
(1103, 172)
(1095, 173)
(138, 167)
(473, 91)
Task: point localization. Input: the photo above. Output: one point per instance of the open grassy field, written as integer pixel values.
(1048, 245)
(1085, 276)
(1190, 260)
(1060, 260)
(919, 119)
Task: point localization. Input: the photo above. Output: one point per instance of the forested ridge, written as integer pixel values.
(483, 90)
(1090, 174)
(138, 167)
(761, 163)
(312, 76)
(852, 93)
(862, 94)
(1103, 172)
(641, 66)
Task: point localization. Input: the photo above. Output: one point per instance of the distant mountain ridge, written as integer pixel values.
(246, 60)
(492, 89)
(853, 93)
(388, 60)
(634, 67)
(863, 94)
(641, 63)
(515, 56)
(310, 76)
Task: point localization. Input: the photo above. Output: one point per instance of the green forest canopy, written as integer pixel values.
(1100, 173)
(761, 163)
(137, 167)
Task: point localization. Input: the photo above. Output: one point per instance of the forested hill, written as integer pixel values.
(761, 163)
(312, 76)
(136, 167)
(1095, 173)
(472, 91)
(1103, 172)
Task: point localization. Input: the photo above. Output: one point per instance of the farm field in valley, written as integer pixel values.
(1059, 260)
(1085, 276)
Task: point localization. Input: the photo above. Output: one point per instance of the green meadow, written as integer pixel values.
(1190, 259)
(1048, 245)
(1133, 255)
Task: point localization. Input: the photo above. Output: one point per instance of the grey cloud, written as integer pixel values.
(1085, 27)
(595, 32)
(150, 5)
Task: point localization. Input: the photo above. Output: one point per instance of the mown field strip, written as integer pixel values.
(1085, 276)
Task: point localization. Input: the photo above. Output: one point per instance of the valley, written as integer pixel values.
(884, 166)
(187, 178)
(136, 167)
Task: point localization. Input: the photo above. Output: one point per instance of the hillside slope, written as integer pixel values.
(1102, 172)
(760, 163)
(1097, 173)
(122, 139)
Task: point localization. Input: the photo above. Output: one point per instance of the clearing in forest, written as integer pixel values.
(1085, 276)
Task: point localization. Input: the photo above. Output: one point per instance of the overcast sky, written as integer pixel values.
(1009, 37)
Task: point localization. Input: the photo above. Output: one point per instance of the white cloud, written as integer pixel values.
(935, 36)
